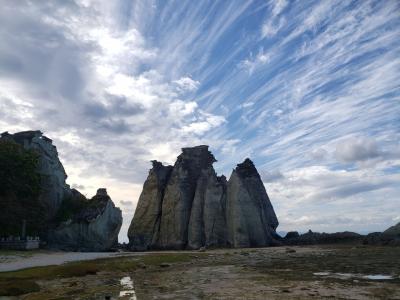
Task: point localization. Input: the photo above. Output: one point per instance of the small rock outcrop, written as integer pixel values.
(390, 237)
(61, 216)
(95, 227)
(317, 238)
(188, 206)
(393, 230)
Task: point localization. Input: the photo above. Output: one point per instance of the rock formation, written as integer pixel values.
(251, 218)
(67, 219)
(317, 238)
(393, 230)
(148, 210)
(390, 237)
(188, 206)
(93, 228)
(53, 186)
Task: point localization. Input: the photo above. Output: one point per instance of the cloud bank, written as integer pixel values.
(309, 90)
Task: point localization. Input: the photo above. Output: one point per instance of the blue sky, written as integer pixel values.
(309, 90)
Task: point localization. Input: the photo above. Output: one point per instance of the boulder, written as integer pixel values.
(193, 208)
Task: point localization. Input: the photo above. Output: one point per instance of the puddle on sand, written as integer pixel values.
(321, 273)
(378, 277)
(350, 275)
(127, 284)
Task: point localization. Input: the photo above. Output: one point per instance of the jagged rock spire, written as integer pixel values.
(189, 206)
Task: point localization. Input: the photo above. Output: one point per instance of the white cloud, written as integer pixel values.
(204, 123)
(319, 154)
(278, 6)
(109, 83)
(271, 176)
(322, 199)
(187, 84)
(251, 63)
(274, 21)
(357, 149)
(271, 27)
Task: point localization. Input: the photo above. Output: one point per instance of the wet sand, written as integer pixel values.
(305, 272)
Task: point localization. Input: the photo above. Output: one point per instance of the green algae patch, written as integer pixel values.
(83, 268)
(74, 269)
(14, 287)
(170, 258)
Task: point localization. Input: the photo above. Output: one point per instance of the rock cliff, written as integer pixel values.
(251, 218)
(67, 219)
(95, 227)
(53, 186)
(188, 206)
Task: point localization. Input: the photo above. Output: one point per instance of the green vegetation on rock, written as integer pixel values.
(18, 170)
(19, 190)
(71, 206)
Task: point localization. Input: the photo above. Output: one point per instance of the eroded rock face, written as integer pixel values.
(179, 194)
(144, 234)
(207, 226)
(251, 218)
(93, 228)
(192, 207)
(53, 186)
(70, 220)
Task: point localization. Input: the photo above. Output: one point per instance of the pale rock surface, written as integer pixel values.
(251, 219)
(179, 194)
(144, 234)
(192, 207)
(95, 228)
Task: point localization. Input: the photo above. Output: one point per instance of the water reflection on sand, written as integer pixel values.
(127, 284)
(351, 275)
